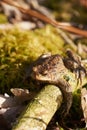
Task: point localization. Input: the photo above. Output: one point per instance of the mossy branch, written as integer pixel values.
(40, 111)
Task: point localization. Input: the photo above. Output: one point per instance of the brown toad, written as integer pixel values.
(51, 69)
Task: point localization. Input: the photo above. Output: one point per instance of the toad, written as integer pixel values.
(51, 69)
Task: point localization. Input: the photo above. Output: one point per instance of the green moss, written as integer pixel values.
(19, 48)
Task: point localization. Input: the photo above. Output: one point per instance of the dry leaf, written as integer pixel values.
(12, 104)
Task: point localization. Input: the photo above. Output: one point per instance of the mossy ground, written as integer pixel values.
(19, 48)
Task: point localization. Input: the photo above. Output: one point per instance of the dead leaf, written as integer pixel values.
(12, 104)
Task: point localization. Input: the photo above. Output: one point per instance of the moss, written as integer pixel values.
(19, 48)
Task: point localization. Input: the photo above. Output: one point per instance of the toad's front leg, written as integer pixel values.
(66, 90)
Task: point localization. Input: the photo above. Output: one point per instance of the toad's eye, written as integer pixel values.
(45, 72)
(46, 55)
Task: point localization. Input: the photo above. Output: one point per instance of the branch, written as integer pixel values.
(40, 111)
